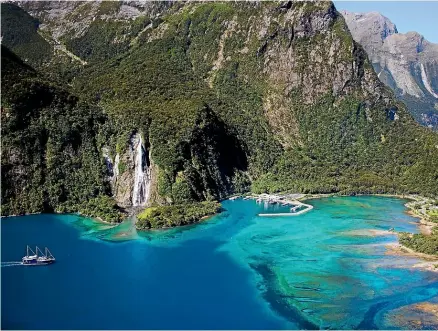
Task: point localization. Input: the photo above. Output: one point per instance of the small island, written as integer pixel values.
(161, 217)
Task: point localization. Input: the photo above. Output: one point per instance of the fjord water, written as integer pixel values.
(235, 271)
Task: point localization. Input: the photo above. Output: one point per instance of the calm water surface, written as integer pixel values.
(321, 269)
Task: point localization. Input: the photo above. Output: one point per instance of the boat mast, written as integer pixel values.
(29, 249)
(47, 251)
(37, 249)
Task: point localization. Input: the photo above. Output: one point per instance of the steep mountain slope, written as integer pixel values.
(214, 98)
(20, 34)
(50, 155)
(94, 30)
(407, 63)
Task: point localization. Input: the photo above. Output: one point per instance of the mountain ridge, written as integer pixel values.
(407, 63)
(230, 97)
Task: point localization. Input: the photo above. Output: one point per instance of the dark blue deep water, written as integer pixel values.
(325, 268)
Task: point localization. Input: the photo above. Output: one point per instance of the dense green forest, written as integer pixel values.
(20, 33)
(358, 156)
(427, 244)
(176, 215)
(420, 242)
(225, 106)
(50, 155)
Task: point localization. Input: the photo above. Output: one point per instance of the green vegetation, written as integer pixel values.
(50, 155)
(351, 159)
(109, 7)
(206, 122)
(427, 210)
(176, 215)
(425, 111)
(19, 33)
(105, 39)
(101, 207)
(433, 215)
(427, 244)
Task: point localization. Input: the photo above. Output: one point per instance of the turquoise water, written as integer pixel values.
(322, 269)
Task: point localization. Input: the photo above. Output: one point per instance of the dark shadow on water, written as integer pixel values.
(278, 301)
(383, 305)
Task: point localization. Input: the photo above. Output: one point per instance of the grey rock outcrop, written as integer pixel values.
(73, 18)
(407, 63)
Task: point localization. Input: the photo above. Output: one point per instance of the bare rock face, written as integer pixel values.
(370, 29)
(73, 18)
(295, 41)
(407, 63)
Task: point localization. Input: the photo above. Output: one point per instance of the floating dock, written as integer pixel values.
(308, 207)
(280, 200)
(283, 201)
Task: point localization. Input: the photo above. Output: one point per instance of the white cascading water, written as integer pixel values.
(108, 161)
(113, 169)
(142, 176)
(116, 167)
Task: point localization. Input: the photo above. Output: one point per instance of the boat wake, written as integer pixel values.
(11, 264)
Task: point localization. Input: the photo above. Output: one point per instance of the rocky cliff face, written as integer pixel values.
(232, 96)
(407, 63)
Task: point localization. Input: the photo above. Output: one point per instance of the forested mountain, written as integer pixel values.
(50, 144)
(171, 103)
(407, 63)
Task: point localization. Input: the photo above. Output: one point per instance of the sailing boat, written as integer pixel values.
(30, 259)
(34, 259)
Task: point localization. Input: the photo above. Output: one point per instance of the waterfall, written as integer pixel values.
(116, 167)
(112, 168)
(108, 161)
(142, 175)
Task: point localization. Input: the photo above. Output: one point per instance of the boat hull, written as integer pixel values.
(34, 263)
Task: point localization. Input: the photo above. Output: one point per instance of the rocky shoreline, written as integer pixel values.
(429, 262)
